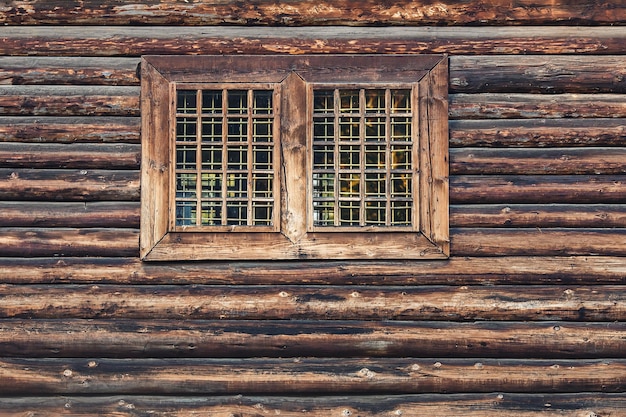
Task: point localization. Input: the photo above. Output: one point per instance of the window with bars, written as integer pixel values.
(294, 157)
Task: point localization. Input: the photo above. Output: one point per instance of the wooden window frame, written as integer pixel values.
(294, 237)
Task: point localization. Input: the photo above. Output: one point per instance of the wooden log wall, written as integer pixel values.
(526, 318)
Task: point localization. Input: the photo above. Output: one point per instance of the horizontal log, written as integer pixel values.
(89, 156)
(534, 215)
(35, 100)
(63, 70)
(293, 338)
(536, 106)
(70, 129)
(117, 214)
(306, 12)
(538, 133)
(137, 41)
(416, 405)
(535, 241)
(202, 302)
(537, 74)
(101, 376)
(23, 184)
(560, 161)
(29, 242)
(527, 270)
(537, 189)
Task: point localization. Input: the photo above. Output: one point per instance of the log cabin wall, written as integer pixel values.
(525, 318)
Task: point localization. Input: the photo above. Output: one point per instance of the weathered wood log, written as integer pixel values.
(537, 189)
(562, 161)
(306, 376)
(88, 156)
(535, 241)
(293, 338)
(534, 215)
(70, 129)
(68, 185)
(307, 12)
(137, 41)
(416, 405)
(204, 302)
(34, 100)
(62, 70)
(534, 106)
(29, 242)
(537, 74)
(538, 132)
(569, 270)
(117, 214)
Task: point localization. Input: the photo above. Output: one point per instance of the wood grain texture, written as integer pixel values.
(208, 302)
(136, 41)
(416, 405)
(123, 338)
(307, 12)
(306, 376)
(526, 270)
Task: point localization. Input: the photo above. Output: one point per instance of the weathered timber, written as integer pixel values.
(34, 100)
(118, 214)
(538, 215)
(63, 70)
(537, 74)
(294, 338)
(416, 405)
(88, 156)
(137, 41)
(208, 302)
(306, 376)
(538, 133)
(23, 184)
(29, 242)
(536, 106)
(536, 241)
(527, 270)
(537, 189)
(561, 161)
(69, 129)
(308, 12)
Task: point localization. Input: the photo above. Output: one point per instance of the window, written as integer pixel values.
(294, 157)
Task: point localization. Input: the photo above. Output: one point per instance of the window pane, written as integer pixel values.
(186, 101)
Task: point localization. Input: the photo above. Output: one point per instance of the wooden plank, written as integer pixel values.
(30, 242)
(305, 302)
(307, 12)
(560, 161)
(137, 41)
(469, 405)
(416, 405)
(70, 129)
(538, 133)
(89, 156)
(537, 74)
(538, 215)
(117, 214)
(537, 189)
(527, 270)
(306, 376)
(34, 100)
(23, 184)
(535, 241)
(63, 70)
(295, 338)
(536, 106)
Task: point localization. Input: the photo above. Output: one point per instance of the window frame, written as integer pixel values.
(295, 237)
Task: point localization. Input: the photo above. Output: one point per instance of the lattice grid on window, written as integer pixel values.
(224, 149)
(362, 157)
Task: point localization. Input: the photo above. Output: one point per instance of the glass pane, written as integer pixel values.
(185, 213)
(238, 130)
(186, 101)
(185, 157)
(324, 129)
(349, 185)
(349, 213)
(323, 100)
(400, 213)
(262, 213)
(349, 128)
(375, 213)
(212, 101)
(237, 186)
(237, 101)
(400, 101)
(262, 130)
(211, 185)
(186, 129)
(375, 129)
(375, 101)
(324, 213)
(323, 185)
(262, 102)
(212, 129)
(323, 157)
(237, 213)
(349, 101)
(211, 213)
(262, 185)
(186, 185)
(211, 157)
